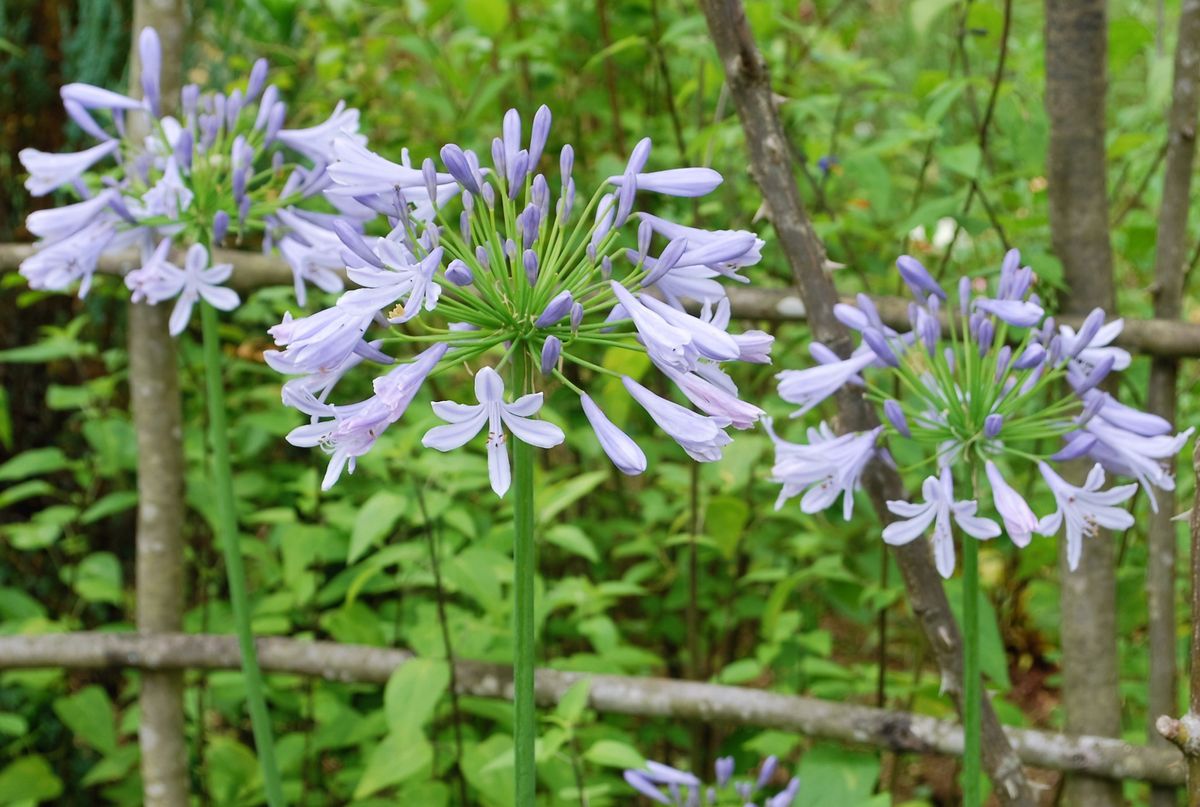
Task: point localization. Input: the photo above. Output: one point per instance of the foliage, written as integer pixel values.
(886, 120)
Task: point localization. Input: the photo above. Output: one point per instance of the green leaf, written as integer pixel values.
(23, 491)
(495, 786)
(413, 692)
(27, 780)
(924, 12)
(563, 495)
(571, 705)
(98, 578)
(89, 715)
(375, 520)
(572, 539)
(109, 505)
(614, 754)
(489, 16)
(114, 767)
(962, 159)
(398, 758)
(13, 725)
(836, 777)
(725, 519)
(35, 462)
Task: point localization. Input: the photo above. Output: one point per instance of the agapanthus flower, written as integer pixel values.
(222, 166)
(515, 277)
(663, 784)
(988, 384)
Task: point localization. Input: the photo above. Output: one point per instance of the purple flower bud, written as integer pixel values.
(964, 295)
(188, 97)
(258, 77)
(1003, 357)
(243, 211)
(724, 769)
(918, 278)
(822, 353)
(1030, 357)
(481, 255)
(84, 120)
(539, 193)
(1092, 405)
(274, 122)
(150, 50)
(464, 226)
(1087, 332)
(948, 353)
(551, 350)
(270, 96)
(1054, 351)
(666, 261)
(644, 233)
(620, 448)
(354, 242)
(565, 163)
(233, 108)
(984, 335)
(639, 156)
(239, 183)
(992, 425)
(429, 174)
(530, 261)
(851, 316)
(576, 316)
(538, 135)
(1048, 331)
(183, 150)
(498, 161)
(455, 160)
(555, 310)
(531, 224)
(768, 771)
(518, 169)
(489, 196)
(459, 273)
(625, 200)
(510, 249)
(1077, 445)
(880, 347)
(220, 226)
(606, 267)
(895, 414)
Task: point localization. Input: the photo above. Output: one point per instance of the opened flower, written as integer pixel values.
(508, 273)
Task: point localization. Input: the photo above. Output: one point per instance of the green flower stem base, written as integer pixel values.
(524, 566)
(227, 536)
(972, 691)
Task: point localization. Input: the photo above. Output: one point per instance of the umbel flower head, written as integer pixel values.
(987, 385)
(498, 267)
(663, 784)
(225, 166)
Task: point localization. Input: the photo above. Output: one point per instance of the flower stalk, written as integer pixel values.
(972, 681)
(524, 572)
(227, 536)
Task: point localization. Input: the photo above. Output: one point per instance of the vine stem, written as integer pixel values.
(972, 681)
(227, 536)
(524, 569)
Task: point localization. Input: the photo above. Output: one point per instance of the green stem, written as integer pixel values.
(524, 566)
(972, 689)
(227, 535)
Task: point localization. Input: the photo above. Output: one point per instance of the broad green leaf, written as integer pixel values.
(495, 787)
(571, 705)
(614, 754)
(724, 520)
(35, 462)
(109, 505)
(413, 692)
(489, 16)
(572, 539)
(13, 725)
(114, 767)
(924, 12)
(25, 490)
(398, 758)
(375, 521)
(89, 715)
(962, 159)
(29, 780)
(836, 777)
(561, 496)
(98, 578)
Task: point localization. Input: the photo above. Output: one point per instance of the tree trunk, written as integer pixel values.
(154, 396)
(771, 165)
(1169, 258)
(1076, 77)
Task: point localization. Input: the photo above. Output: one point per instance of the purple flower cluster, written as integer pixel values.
(987, 383)
(496, 269)
(663, 784)
(217, 169)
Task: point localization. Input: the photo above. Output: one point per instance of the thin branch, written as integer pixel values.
(616, 694)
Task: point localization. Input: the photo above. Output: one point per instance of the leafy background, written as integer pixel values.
(883, 103)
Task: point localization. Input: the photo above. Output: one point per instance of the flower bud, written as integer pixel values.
(551, 351)
(459, 273)
(895, 414)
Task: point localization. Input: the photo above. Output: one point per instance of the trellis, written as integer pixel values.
(163, 653)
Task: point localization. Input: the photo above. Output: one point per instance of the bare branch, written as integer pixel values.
(617, 694)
